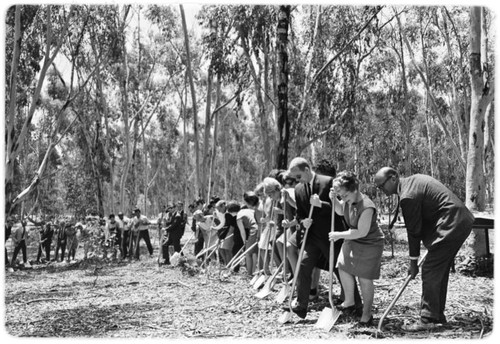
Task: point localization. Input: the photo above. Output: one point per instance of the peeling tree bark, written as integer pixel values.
(283, 121)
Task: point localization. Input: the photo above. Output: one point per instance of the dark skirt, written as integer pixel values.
(361, 259)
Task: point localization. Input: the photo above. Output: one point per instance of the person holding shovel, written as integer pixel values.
(312, 191)
(436, 217)
(246, 221)
(174, 230)
(361, 252)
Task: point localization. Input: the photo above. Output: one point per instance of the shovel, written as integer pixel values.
(267, 288)
(262, 279)
(236, 256)
(287, 316)
(393, 302)
(175, 257)
(227, 272)
(219, 243)
(262, 273)
(329, 316)
(238, 261)
(280, 298)
(257, 273)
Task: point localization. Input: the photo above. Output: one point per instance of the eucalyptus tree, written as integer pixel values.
(255, 34)
(482, 94)
(34, 28)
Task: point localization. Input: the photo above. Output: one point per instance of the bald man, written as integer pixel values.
(436, 217)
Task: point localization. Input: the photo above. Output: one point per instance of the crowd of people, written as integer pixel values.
(288, 220)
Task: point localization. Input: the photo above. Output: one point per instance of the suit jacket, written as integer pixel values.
(322, 217)
(432, 213)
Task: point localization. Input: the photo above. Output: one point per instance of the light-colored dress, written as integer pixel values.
(268, 232)
(209, 235)
(362, 257)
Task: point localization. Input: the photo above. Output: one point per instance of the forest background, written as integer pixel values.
(115, 106)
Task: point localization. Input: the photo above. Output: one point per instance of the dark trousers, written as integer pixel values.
(198, 246)
(144, 234)
(435, 276)
(125, 243)
(313, 250)
(62, 245)
(44, 246)
(20, 247)
(237, 245)
(174, 239)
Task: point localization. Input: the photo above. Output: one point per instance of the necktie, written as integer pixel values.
(395, 216)
(308, 191)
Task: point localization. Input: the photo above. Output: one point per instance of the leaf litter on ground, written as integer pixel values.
(94, 298)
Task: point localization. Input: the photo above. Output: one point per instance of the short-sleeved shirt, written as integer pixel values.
(247, 217)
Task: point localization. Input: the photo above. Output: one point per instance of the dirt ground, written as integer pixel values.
(139, 299)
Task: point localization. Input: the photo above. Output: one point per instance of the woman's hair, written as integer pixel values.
(347, 180)
(259, 189)
(325, 167)
(251, 198)
(221, 204)
(288, 179)
(278, 174)
(233, 207)
(270, 185)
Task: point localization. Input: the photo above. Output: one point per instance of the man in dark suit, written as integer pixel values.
(437, 218)
(312, 190)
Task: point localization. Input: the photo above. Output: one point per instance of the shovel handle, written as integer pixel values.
(332, 259)
(301, 253)
(240, 259)
(400, 292)
(237, 255)
(187, 242)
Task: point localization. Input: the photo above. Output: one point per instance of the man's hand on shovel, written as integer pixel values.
(413, 269)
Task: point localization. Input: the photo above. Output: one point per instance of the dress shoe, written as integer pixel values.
(368, 323)
(301, 312)
(313, 295)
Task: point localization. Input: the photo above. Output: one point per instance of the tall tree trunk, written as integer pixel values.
(480, 98)
(406, 112)
(124, 78)
(194, 105)
(455, 103)
(206, 140)
(283, 121)
(214, 143)
(475, 194)
(429, 137)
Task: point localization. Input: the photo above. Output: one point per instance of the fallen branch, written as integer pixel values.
(45, 299)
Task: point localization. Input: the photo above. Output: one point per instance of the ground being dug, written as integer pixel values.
(97, 299)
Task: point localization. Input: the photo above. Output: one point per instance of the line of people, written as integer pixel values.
(113, 237)
(303, 199)
(290, 204)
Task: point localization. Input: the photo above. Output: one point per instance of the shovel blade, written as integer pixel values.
(174, 260)
(327, 318)
(285, 317)
(260, 281)
(263, 292)
(282, 295)
(254, 279)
